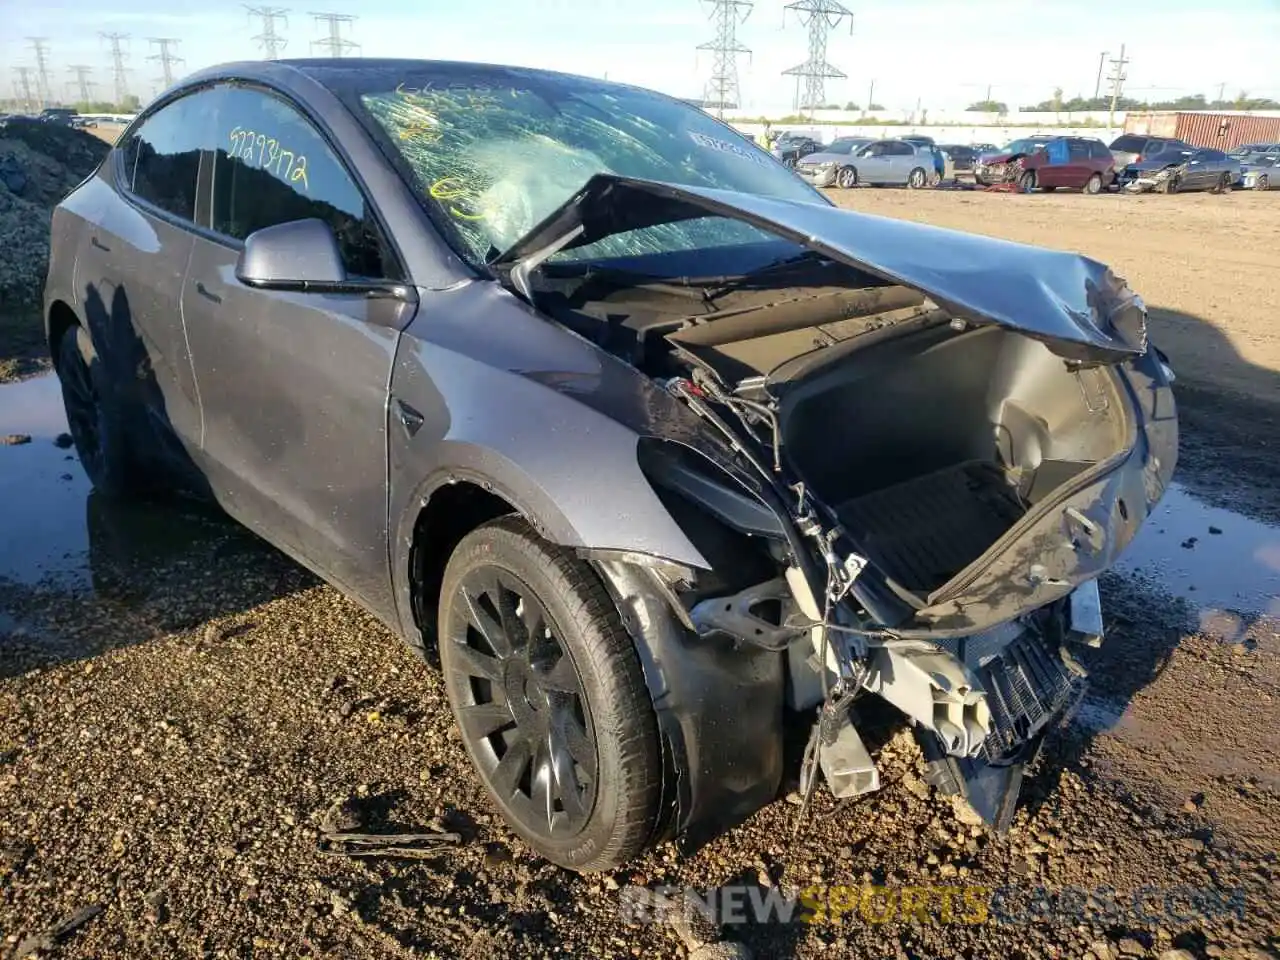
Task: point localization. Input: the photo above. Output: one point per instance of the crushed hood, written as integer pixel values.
(1078, 307)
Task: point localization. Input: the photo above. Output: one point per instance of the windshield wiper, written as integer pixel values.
(726, 284)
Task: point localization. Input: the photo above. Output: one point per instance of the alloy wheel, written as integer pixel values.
(521, 707)
(1262, 183)
(847, 178)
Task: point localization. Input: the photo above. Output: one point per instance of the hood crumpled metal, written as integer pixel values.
(1078, 307)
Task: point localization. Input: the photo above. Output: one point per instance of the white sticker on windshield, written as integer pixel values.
(724, 146)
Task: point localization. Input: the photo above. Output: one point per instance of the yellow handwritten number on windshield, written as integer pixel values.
(454, 189)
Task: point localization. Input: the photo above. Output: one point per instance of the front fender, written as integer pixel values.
(484, 390)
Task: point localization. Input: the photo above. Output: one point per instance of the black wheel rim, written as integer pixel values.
(83, 406)
(520, 704)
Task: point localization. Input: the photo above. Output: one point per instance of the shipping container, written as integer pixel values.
(1223, 131)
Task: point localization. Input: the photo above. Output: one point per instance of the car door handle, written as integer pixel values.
(206, 292)
(99, 244)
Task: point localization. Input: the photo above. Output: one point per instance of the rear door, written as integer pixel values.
(130, 267)
(1201, 171)
(294, 384)
(903, 159)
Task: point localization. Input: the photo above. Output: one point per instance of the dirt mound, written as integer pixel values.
(39, 164)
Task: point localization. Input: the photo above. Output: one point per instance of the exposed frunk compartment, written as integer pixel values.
(931, 446)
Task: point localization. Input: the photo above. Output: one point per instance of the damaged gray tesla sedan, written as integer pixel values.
(573, 385)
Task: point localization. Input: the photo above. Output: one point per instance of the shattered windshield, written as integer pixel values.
(1024, 146)
(497, 153)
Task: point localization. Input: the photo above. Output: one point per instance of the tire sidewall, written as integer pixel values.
(848, 174)
(503, 545)
(1094, 184)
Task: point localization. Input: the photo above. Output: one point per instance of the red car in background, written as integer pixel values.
(1081, 163)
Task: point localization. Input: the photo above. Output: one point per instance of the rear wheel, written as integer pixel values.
(94, 419)
(1027, 181)
(1223, 185)
(548, 692)
(847, 177)
(1094, 185)
(917, 178)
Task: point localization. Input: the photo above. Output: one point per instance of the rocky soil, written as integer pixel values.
(39, 164)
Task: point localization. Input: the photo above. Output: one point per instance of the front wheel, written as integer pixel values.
(550, 698)
(94, 420)
(1262, 183)
(847, 178)
(1027, 182)
(916, 179)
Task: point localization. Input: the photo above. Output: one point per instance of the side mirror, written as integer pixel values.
(299, 255)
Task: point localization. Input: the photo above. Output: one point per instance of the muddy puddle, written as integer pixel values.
(55, 532)
(1214, 558)
(1221, 562)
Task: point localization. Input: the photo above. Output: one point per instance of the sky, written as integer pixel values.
(944, 55)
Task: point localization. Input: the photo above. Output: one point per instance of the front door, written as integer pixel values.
(294, 384)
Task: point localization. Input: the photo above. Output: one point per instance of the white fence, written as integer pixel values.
(941, 134)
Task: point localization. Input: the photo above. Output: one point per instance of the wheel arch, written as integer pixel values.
(60, 318)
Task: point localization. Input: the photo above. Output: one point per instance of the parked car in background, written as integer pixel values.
(1079, 163)
(890, 163)
(1182, 171)
(64, 116)
(1246, 150)
(962, 157)
(1014, 147)
(1260, 171)
(790, 147)
(831, 165)
(558, 467)
(982, 148)
(1130, 148)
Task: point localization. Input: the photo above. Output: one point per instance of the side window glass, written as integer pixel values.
(163, 155)
(1079, 150)
(272, 167)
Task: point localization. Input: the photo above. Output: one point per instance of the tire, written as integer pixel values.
(1027, 181)
(1094, 184)
(846, 177)
(916, 179)
(547, 689)
(1262, 182)
(1223, 185)
(1169, 185)
(94, 419)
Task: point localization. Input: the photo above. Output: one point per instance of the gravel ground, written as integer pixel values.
(173, 742)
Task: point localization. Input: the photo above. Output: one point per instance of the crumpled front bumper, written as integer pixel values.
(818, 176)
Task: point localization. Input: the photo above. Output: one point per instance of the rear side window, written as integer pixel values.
(1079, 150)
(162, 157)
(272, 166)
(1129, 144)
(1098, 150)
(900, 149)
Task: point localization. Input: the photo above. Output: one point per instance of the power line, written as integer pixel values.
(820, 16)
(335, 42)
(1117, 78)
(270, 41)
(22, 86)
(118, 70)
(40, 45)
(166, 58)
(722, 88)
(84, 86)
